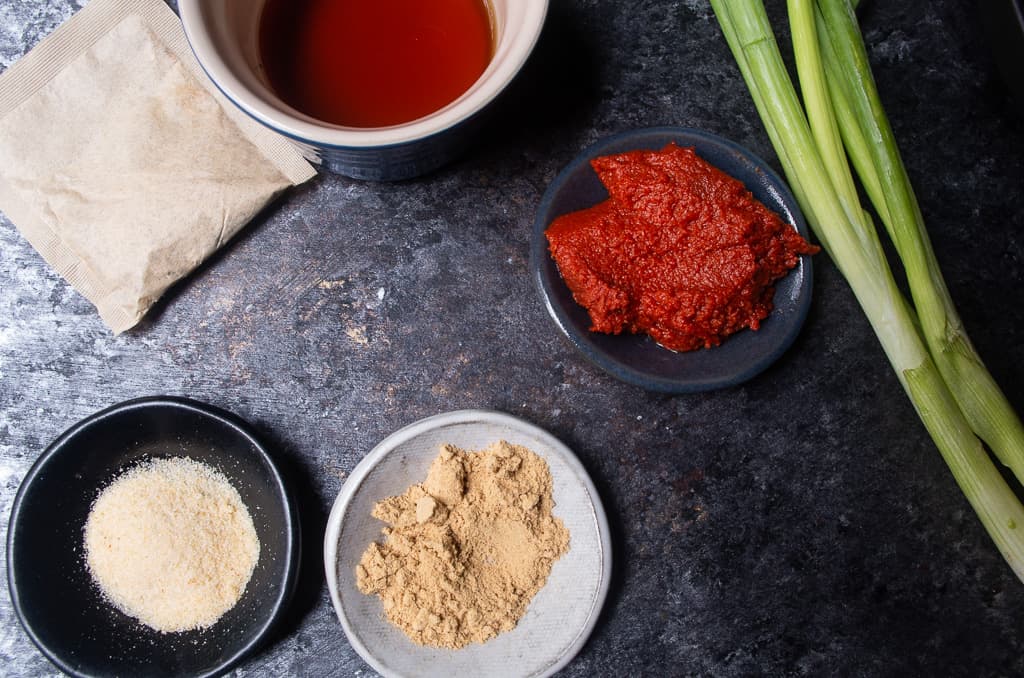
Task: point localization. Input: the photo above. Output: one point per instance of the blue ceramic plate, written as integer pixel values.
(51, 588)
(637, 359)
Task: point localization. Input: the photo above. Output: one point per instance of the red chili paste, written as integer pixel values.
(680, 250)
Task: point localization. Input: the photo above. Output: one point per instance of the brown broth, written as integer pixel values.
(373, 63)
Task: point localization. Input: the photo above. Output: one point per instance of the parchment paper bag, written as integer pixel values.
(122, 164)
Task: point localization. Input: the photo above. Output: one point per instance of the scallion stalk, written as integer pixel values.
(983, 403)
(809, 148)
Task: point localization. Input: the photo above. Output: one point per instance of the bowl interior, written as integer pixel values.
(53, 592)
(224, 34)
(638, 359)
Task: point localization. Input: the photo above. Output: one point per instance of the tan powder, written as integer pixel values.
(171, 543)
(466, 550)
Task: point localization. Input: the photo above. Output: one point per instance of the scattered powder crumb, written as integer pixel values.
(467, 549)
(358, 335)
(171, 544)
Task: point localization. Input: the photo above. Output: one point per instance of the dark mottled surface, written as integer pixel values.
(801, 524)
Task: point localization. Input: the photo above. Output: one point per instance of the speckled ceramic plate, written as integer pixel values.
(560, 617)
(637, 359)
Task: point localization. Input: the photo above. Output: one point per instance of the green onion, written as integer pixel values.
(841, 116)
(981, 400)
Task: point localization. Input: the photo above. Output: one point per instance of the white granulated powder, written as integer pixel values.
(171, 544)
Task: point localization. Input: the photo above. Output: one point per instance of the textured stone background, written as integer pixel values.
(800, 524)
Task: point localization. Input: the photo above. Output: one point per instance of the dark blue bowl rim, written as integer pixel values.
(224, 417)
(539, 256)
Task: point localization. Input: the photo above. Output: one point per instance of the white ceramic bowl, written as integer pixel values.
(224, 34)
(562, 614)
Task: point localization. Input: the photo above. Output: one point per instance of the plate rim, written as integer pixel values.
(624, 371)
(362, 469)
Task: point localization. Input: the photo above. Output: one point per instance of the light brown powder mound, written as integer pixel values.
(171, 543)
(468, 548)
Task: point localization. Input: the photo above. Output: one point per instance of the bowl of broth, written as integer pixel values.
(383, 90)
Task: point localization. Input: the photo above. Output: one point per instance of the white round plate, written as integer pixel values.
(560, 617)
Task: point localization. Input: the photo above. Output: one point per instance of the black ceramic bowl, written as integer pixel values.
(53, 593)
(637, 359)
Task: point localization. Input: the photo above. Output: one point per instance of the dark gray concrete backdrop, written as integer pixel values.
(800, 524)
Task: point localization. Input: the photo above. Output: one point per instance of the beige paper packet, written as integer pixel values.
(122, 164)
